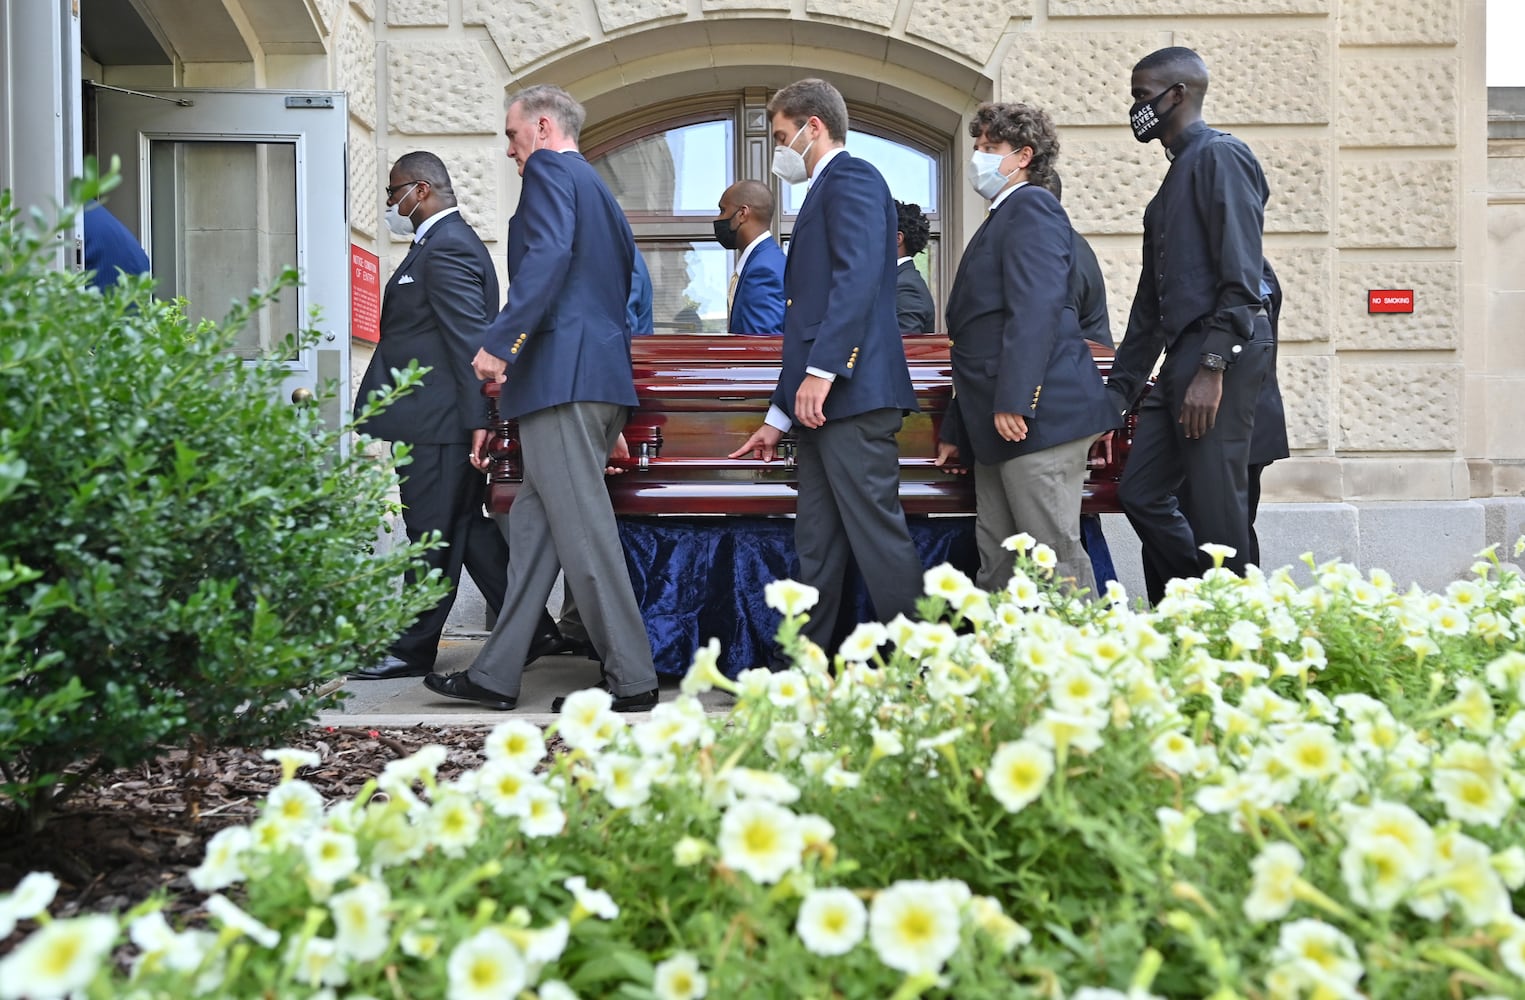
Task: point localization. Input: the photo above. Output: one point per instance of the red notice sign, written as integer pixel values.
(364, 294)
(1390, 300)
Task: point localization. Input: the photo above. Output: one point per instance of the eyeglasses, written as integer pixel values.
(394, 188)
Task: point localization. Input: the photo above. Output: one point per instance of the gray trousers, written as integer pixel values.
(1038, 493)
(562, 519)
(849, 504)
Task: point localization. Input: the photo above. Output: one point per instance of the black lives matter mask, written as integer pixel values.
(1147, 119)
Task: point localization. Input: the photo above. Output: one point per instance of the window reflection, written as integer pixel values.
(688, 286)
(677, 172)
(910, 173)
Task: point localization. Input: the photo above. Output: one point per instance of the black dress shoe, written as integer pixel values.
(388, 668)
(643, 702)
(550, 643)
(458, 685)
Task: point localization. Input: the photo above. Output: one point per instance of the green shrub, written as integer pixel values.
(185, 556)
(1065, 801)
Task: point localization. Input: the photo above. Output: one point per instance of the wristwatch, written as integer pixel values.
(1214, 362)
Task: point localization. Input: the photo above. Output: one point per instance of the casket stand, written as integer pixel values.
(704, 533)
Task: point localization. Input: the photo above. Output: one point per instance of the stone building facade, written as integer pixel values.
(1370, 116)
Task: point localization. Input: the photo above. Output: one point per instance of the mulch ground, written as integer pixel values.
(141, 829)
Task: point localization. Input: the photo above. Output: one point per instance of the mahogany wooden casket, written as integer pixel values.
(700, 398)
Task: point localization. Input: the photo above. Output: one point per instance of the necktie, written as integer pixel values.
(730, 296)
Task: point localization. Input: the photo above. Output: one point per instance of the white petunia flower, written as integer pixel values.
(59, 959)
(689, 851)
(583, 722)
(986, 914)
(360, 918)
(1175, 751)
(596, 902)
(419, 768)
(679, 978)
(784, 741)
(1078, 690)
(31, 897)
(421, 939)
(330, 856)
(1311, 753)
(831, 921)
(1470, 797)
(554, 989)
(1512, 950)
(1277, 869)
(672, 727)
(293, 808)
(789, 597)
(787, 689)
(1465, 876)
(624, 781)
(1019, 543)
(291, 759)
(944, 581)
(316, 962)
(1019, 772)
(543, 815)
(486, 966)
(704, 673)
(761, 839)
(1319, 955)
(1510, 864)
(1179, 830)
(914, 927)
(230, 916)
(753, 783)
(453, 824)
(223, 864)
(863, 643)
(516, 742)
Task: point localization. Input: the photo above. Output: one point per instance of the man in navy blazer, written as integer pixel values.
(1027, 398)
(436, 306)
(844, 384)
(561, 348)
(756, 295)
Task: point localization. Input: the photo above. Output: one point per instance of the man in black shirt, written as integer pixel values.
(1199, 301)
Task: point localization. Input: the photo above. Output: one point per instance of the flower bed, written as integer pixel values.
(1255, 790)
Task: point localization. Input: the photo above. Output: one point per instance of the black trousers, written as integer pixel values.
(442, 492)
(1180, 493)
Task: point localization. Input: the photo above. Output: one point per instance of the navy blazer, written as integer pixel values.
(839, 294)
(1016, 342)
(434, 309)
(564, 330)
(758, 305)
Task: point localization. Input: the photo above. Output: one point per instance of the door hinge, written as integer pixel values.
(309, 101)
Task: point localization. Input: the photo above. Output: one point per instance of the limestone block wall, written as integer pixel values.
(1368, 116)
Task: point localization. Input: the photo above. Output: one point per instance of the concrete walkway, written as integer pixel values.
(406, 702)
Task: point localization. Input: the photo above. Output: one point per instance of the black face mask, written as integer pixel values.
(1146, 117)
(724, 234)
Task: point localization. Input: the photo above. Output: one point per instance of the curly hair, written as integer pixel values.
(913, 226)
(1020, 125)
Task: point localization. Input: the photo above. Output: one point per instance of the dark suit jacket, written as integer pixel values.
(839, 288)
(1088, 292)
(914, 311)
(1016, 338)
(758, 306)
(564, 330)
(435, 307)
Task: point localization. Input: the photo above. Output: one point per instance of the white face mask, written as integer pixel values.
(789, 166)
(984, 173)
(399, 224)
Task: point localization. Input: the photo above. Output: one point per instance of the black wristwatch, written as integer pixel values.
(1214, 362)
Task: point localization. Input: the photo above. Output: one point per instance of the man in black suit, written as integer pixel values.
(1027, 398)
(436, 307)
(913, 302)
(1088, 289)
(561, 348)
(844, 382)
(1199, 301)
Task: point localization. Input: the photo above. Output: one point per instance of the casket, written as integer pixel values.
(700, 398)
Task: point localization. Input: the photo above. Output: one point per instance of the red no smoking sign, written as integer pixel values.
(1390, 300)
